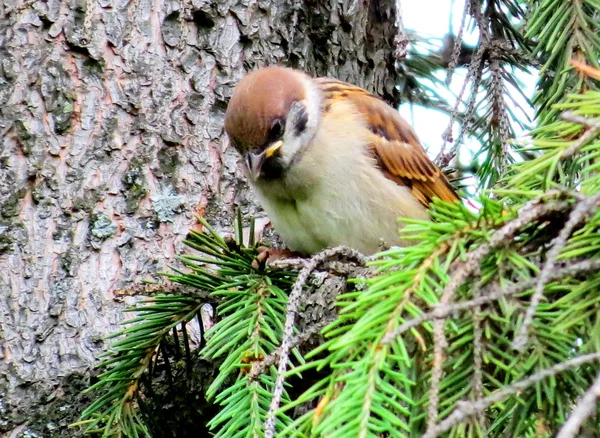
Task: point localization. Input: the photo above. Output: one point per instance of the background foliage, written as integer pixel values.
(489, 327)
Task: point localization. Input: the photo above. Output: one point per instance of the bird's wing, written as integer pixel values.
(394, 144)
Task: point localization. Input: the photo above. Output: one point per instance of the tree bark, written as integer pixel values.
(111, 122)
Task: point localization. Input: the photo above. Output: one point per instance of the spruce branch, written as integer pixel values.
(478, 353)
(290, 316)
(258, 368)
(560, 141)
(531, 211)
(456, 48)
(564, 31)
(593, 129)
(495, 293)
(584, 409)
(416, 282)
(466, 409)
(470, 267)
(581, 211)
(128, 359)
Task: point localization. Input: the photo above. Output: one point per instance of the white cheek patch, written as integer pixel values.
(302, 124)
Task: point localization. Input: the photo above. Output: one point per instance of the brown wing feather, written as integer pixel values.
(394, 144)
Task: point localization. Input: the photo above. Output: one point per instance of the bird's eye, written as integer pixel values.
(276, 130)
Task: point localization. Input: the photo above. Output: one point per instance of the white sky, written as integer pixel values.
(431, 19)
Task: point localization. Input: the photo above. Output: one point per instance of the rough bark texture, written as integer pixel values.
(111, 123)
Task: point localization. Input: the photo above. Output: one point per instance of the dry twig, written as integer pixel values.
(474, 74)
(457, 45)
(478, 354)
(290, 316)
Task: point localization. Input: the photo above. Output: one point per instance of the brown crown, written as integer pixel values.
(259, 99)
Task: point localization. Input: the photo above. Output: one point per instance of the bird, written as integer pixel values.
(330, 163)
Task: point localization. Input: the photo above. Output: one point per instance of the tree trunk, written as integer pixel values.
(111, 115)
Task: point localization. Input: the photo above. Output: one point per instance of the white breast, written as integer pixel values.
(335, 195)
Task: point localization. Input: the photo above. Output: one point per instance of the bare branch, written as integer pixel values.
(481, 19)
(290, 316)
(474, 75)
(574, 118)
(499, 112)
(437, 372)
(457, 45)
(166, 288)
(348, 269)
(478, 355)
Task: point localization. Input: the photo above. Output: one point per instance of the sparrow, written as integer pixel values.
(330, 163)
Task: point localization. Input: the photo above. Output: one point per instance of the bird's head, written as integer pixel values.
(272, 116)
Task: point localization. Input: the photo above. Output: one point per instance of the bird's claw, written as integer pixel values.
(267, 255)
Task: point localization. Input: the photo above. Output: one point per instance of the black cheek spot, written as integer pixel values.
(301, 122)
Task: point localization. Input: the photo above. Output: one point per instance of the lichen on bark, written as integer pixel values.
(107, 104)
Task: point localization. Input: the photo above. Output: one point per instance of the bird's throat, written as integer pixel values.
(272, 169)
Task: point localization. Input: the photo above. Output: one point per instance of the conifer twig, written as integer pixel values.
(531, 211)
(457, 45)
(481, 20)
(331, 266)
(582, 411)
(593, 128)
(478, 355)
(290, 316)
(440, 343)
(578, 215)
(499, 112)
(474, 74)
(259, 367)
(465, 409)
(442, 311)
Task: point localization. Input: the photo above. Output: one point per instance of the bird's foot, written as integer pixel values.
(267, 255)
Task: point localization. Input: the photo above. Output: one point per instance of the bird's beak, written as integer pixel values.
(272, 150)
(255, 161)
